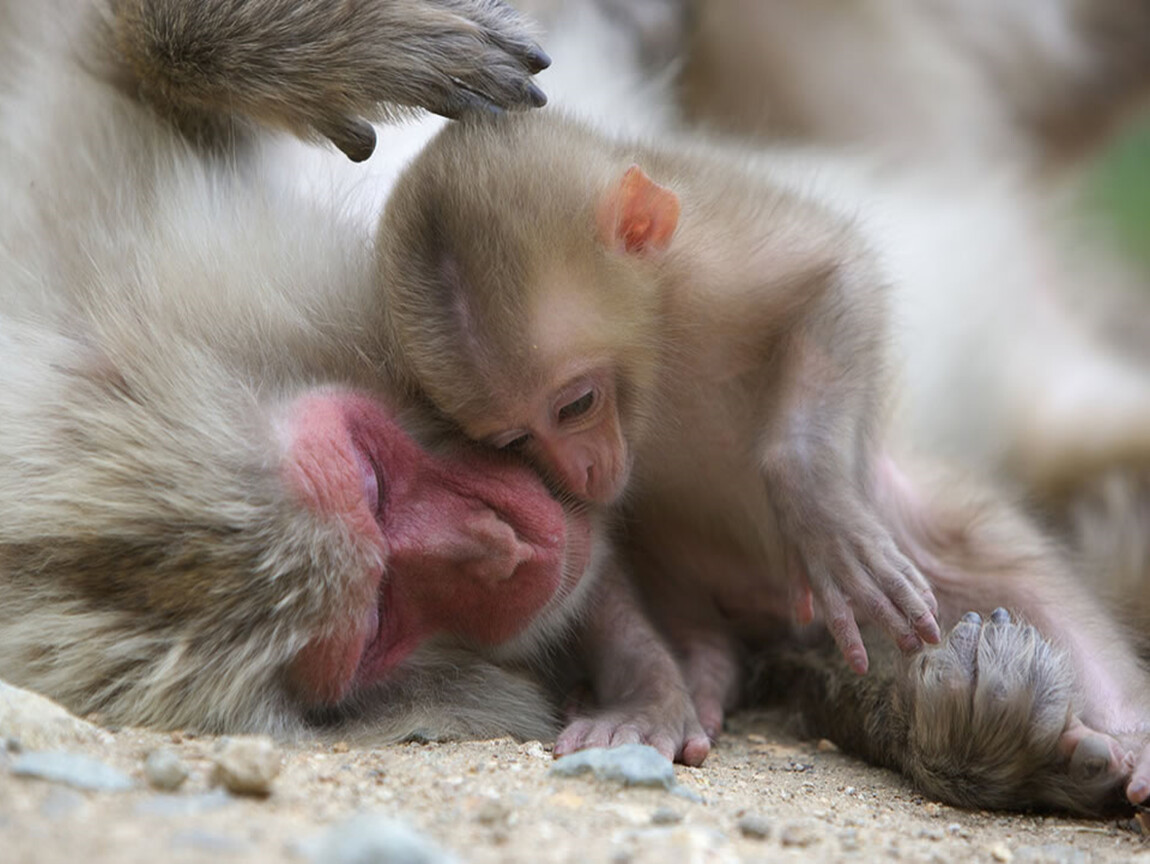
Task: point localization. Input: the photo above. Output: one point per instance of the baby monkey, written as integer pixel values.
(660, 334)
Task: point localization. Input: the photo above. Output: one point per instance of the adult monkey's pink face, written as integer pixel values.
(466, 544)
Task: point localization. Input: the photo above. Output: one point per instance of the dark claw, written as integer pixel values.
(536, 96)
(355, 137)
(536, 59)
(972, 618)
(1000, 616)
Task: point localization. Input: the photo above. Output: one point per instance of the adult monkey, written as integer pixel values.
(212, 515)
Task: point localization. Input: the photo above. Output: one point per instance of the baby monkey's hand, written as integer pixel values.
(843, 557)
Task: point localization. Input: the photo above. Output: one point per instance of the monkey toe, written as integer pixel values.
(999, 616)
(353, 136)
(1138, 788)
(695, 750)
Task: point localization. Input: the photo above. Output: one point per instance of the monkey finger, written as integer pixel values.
(901, 584)
(886, 600)
(505, 29)
(844, 628)
(1138, 789)
(884, 613)
(573, 738)
(695, 749)
(354, 136)
(914, 575)
(629, 733)
(962, 643)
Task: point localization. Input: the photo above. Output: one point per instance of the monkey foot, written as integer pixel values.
(669, 725)
(989, 724)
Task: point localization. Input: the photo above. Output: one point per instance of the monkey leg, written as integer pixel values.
(319, 67)
(638, 692)
(986, 719)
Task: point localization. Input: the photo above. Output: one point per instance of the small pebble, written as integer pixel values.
(629, 765)
(340, 747)
(800, 834)
(246, 765)
(999, 852)
(755, 827)
(825, 745)
(666, 816)
(165, 770)
(372, 839)
(492, 812)
(71, 769)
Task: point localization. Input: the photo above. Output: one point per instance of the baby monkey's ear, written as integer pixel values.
(637, 215)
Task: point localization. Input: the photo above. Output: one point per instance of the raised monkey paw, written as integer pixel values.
(452, 57)
(326, 67)
(666, 722)
(993, 723)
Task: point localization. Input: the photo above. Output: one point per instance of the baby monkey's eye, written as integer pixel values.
(510, 445)
(577, 408)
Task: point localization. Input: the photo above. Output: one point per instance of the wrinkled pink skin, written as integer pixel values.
(470, 544)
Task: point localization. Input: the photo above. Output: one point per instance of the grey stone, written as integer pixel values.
(755, 826)
(666, 816)
(71, 769)
(246, 765)
(370, 839)
(165, 770)
(800, 834)
(28, 721)
(629, 765)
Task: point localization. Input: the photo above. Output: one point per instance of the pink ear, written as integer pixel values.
(637, 214)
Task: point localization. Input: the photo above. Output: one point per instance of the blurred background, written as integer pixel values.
(1120, 189)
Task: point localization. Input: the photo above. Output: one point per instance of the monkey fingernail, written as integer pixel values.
(972, 618)
(536, 96)
(927, 628)
(537, 59)
(1000, 616)
(856, 658)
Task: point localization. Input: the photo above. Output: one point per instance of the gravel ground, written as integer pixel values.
(763, 795)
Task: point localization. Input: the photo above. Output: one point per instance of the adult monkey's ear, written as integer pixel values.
(637, 215)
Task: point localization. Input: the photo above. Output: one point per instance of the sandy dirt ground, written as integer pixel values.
(763, 795)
